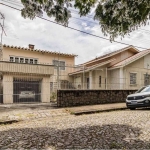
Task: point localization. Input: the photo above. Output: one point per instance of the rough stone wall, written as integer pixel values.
(68, 98)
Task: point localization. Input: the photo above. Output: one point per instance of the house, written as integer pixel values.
(32, 72)
(127, 68)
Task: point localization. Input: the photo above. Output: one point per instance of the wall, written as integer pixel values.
(114, 79)
(138, 68)
(69, 98)
(42, 57)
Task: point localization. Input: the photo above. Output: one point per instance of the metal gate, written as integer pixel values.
(26, 91)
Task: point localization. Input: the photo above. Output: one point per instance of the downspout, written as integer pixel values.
(83, 77)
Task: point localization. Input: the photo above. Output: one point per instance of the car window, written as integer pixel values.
(146, 89)
(140, 89)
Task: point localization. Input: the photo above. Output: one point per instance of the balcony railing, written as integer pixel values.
(38, 69)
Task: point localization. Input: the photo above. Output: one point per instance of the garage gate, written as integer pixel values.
(26, 91)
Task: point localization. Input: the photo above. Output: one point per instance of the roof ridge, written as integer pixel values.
(110, 54)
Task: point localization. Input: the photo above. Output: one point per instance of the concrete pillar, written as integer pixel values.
(121, 78)
(45, 90)
(7, 89)
(91, 80)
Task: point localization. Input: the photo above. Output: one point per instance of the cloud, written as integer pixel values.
(48, 36)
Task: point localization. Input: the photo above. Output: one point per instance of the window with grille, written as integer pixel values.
(132, 78)
(55, 63)
(61, 64)
(146, 79)
(100, 81)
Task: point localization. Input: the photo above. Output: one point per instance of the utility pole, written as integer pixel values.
(2, 26)
(58, 76)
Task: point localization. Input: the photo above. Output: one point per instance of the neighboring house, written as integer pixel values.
(127, 68)
(29, 69)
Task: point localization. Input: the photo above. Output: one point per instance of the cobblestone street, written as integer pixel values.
(117, 129)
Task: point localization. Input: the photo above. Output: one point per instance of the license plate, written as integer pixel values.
(133, 102)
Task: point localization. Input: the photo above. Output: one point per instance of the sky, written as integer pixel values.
(51, 37)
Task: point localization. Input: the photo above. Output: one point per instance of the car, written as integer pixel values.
(141, 98)
(27, 95)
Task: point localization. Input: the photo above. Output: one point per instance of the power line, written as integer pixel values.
(76, 29)
(17, 4)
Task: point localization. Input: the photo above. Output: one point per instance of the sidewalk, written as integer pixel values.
(16, 112)
(96, 108)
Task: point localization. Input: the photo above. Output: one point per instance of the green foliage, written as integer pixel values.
(120, 17)
(53, 97)
(116, 17)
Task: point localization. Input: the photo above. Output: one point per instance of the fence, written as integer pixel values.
(20, 82)
(68, 98)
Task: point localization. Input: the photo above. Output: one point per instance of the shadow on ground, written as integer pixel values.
(113, 136)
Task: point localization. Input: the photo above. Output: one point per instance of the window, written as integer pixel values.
(62, 65)
(26, 60)
(146, 79)
(31, 61)
(55, 63)
(35, 61)
(16, 59)
(100, 81)
(132, 78)
(21, 60)
(11, 59)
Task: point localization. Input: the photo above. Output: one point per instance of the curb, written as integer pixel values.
(96, 111)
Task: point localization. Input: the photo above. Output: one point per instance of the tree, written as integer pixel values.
(116, 17)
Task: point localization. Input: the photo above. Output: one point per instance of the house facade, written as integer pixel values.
(127, 68)
(32, 71)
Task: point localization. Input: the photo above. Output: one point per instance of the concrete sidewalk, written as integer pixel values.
(96, 108)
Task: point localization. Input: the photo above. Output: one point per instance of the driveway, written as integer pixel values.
(123, 129)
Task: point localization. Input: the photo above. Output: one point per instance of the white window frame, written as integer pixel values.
(12, 57)
(24, 58)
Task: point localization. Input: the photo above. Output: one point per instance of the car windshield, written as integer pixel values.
(140, 89)
(146, 89)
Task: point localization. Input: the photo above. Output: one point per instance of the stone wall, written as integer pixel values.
(68, 98)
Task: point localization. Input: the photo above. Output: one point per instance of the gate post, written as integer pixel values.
(45, 90)
(7, 89)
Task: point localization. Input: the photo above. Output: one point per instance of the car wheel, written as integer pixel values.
(132, 108)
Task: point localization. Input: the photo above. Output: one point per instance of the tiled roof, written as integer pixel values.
(86, 69)
(111, 54)
(131, 59)
(38, 50)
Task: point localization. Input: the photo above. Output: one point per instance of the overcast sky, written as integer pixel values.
(51, 37)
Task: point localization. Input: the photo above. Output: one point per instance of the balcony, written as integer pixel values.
(37, 69)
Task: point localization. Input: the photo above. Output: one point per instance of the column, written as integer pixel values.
(45, 90)
(7, 89)
(91, 80)
(121, 78)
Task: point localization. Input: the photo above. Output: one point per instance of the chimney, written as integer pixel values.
(31, 46)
